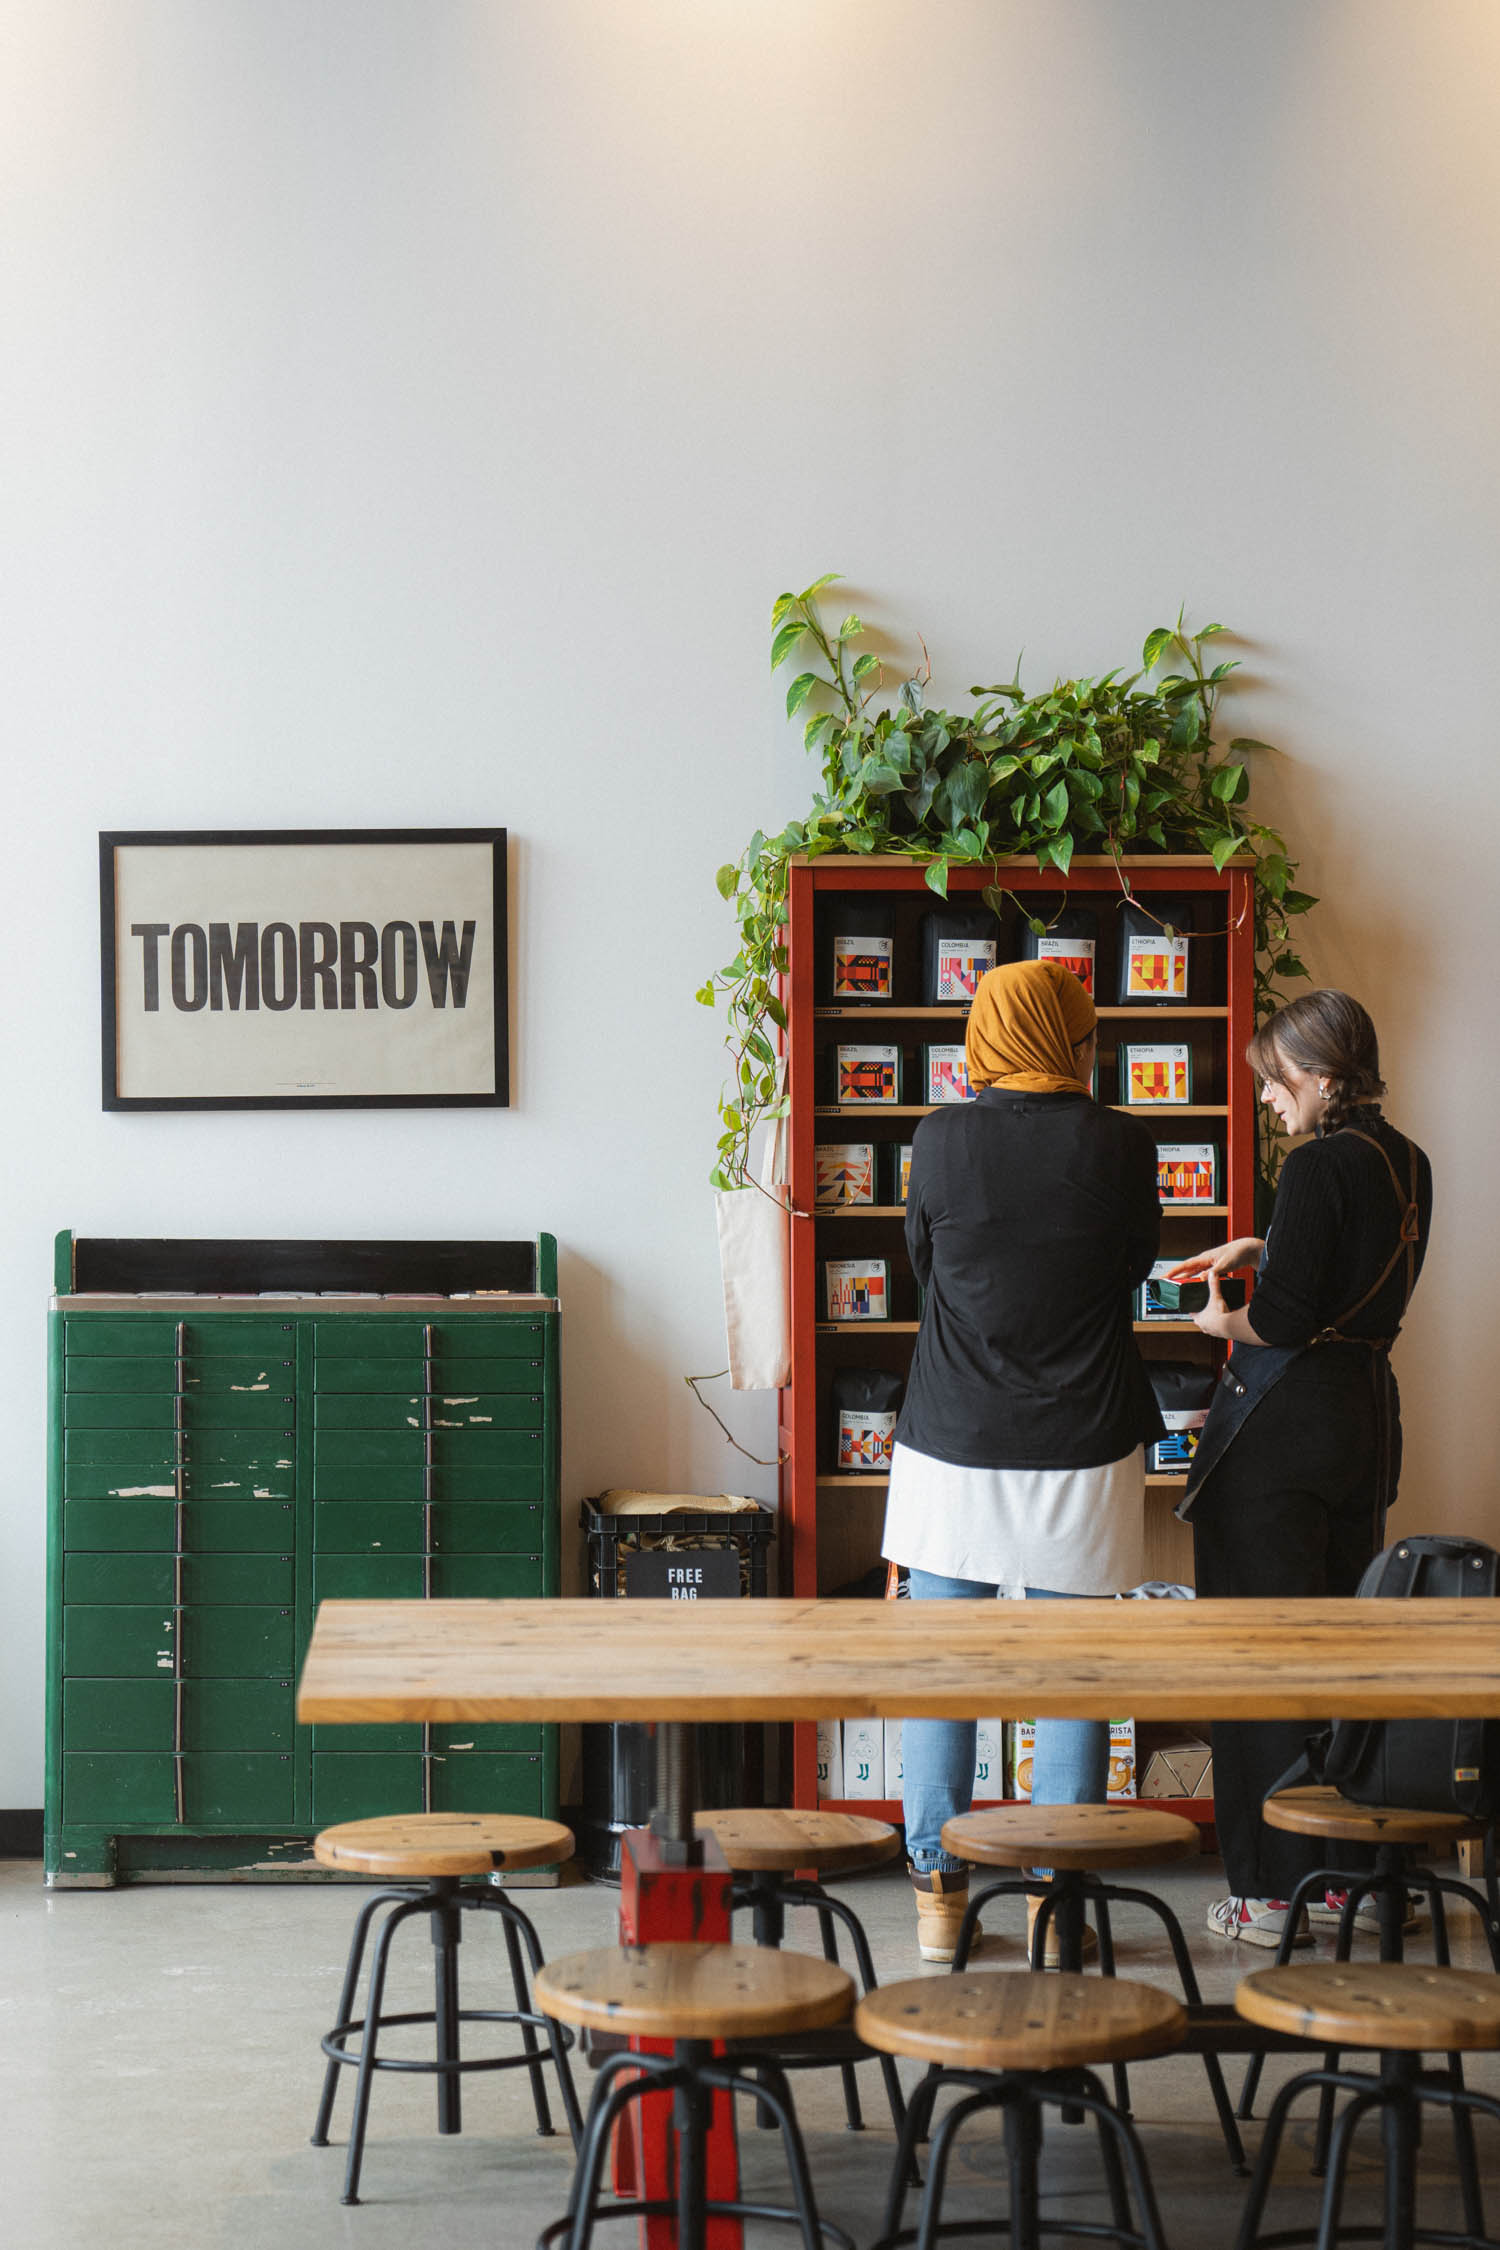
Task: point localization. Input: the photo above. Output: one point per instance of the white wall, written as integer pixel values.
(410, 412)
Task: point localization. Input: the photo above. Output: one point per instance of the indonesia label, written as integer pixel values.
(865, 1439)
(856, 1289)
(961, 962)
(862, 968)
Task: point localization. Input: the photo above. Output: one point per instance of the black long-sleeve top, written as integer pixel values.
(1030, 1218)
(1335, 1224)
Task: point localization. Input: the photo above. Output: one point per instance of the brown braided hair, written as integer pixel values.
(1330, 1034)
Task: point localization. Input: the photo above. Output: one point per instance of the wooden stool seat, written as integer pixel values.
(755, 1841)
(676, 1990)
(1071, 1836)
(1323, 1812)
(410, 1847)
(1009, 2020)
(1393, 2006)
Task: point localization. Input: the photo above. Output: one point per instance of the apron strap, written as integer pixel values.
(1406, 1241)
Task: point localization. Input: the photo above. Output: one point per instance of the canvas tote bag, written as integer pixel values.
(754, 1231)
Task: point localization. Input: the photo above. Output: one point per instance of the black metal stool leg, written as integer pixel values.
(1187, 1978)
(1265, 2163)
(1022, 2144)
(1089, 2095)
(864, 1962)
(521, 1924)
(904, 2172)
(1107, 1969)
(609, 2103)
(853, 2114)
(446, 1933)
(352, 1968)
(529, 2039)
(779, 2095)
(1001, 2096)
(1318, 1880)
(1464, 2152)
(365, 2076)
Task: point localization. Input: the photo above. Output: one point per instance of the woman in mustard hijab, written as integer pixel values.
(1018, 1466)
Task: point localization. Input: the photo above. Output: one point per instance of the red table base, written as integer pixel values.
(658, 1900)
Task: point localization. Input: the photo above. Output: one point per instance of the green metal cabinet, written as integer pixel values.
(216, 1471)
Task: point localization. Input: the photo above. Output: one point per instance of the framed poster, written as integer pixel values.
(312, 968)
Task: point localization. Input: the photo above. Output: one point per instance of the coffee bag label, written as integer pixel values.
(1187, 1172)
(869, 1074)
(856, 1289)
(1149, 1075)
(862, 968)
(865, 1439)
(948, 1075)
(1156, 966)
(844, 1172)
(1075, 953)
(961, 962)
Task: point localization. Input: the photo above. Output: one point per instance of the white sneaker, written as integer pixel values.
(1255, 1921)
(1329, 1909)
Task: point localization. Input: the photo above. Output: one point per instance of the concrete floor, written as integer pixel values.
(159, 2068)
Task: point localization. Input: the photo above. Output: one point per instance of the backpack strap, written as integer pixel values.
(1406, 1247)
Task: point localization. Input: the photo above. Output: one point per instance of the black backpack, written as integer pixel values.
(1432, 1765)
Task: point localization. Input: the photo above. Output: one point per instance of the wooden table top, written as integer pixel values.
(478, 1660)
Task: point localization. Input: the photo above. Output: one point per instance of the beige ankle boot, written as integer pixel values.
(942, 1901)
(1052, 1957)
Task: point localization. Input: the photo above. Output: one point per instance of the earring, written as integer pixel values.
(1322, 1091)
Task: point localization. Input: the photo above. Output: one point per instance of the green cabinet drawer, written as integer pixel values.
(523, 1736)
(473, 1782)
(339, 1414)
(359, 1785)
(209, 1527)
(519, 1478)
(350, 1527)
(223, 1789)
(156, 1480)
(120, 1788)
(406, 1377)
(240, 1409)
(205, 1578)
(359, 1337)
(161, 1374)
(446, 1448)
(245, 1449)
(154, 1335)
(402, 1577)
(122, 1641)
(141, 1714)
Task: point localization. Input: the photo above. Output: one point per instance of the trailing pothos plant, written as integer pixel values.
(1117, 763)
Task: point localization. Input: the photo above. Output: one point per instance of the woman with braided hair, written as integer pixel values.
(1299, 1458)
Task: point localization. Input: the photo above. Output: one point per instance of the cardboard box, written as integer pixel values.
(864, 1758)
(1180, 1769)
(893, 1767)
(989, 1759)
(1122, 1758)
(830, 1758)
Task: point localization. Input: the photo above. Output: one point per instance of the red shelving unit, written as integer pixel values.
(831, 1524)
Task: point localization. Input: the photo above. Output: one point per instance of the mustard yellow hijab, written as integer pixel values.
(1025, 1022)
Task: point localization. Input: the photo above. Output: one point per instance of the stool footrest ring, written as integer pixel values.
(336, 2051)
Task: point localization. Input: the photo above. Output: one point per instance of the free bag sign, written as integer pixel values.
(304, 969)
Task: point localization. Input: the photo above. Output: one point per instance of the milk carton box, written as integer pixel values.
(864, 1758)
(1122, 1758)
(1020, 1753)
(989, 1759)
(893, 1766)
(830, 1758)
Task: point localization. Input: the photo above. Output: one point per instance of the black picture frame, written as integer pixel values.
(494, 1094)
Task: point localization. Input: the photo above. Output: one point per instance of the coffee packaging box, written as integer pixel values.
(868, 1074)
(864, 1757)
(1151, 1076)
(856, 1289)
(857, 949)
(1155, 953)
(844, 1172)
(958, 948)
(865, 1403)
(1187, 1172)
(945, 1074)
(830, 1758)
(1071, 937)
(989, 1759)
(893, 1766)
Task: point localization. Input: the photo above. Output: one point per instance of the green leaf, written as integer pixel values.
(727, 880)
(705, 994)
(911, 696)
(1158, 639)
(936, 877)
(786, 640)
(1248, 742)
(779, 608)
(829, 578)
(864, 666)
(1055, 805)
(851, 626)
(1297, 902)
(1229, 784)
(799, 691)
(1224, 848)
(1061, 848)
(1036, 925)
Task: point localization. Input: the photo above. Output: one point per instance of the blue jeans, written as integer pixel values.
(1070, 1767)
